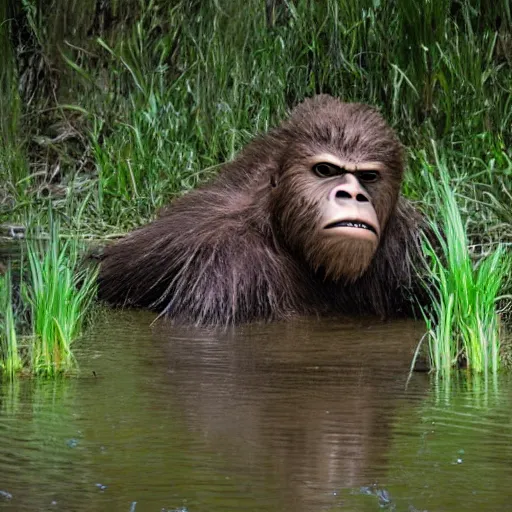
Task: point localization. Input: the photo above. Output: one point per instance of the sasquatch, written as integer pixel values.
(307, 219)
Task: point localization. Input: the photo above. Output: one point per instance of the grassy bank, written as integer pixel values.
(127, 113)
(109, 111)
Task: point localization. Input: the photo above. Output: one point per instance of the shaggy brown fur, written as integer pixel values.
(246, 247)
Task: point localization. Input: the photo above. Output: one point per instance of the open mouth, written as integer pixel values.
(351, 224)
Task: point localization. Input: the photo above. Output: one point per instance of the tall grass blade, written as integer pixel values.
(10, 359)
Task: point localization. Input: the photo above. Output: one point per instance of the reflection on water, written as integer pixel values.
(309, 415)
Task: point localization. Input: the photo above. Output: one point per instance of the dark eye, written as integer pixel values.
(325, 170)
(367, 176)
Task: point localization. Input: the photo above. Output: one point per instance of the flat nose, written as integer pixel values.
(349, 189)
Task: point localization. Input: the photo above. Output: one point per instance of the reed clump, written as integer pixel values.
(57, 294)
(463, 324)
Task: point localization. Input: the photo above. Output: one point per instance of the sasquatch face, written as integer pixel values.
(337, 185)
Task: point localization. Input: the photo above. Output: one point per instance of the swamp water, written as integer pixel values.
(304, 416)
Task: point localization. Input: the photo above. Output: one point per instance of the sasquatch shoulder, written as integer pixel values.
(203, 263)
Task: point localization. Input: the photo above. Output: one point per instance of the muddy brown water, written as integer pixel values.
(311, 415)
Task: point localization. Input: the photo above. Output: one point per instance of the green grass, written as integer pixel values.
(164, 97)
(58, 293)
(10, 358)
(462, 323)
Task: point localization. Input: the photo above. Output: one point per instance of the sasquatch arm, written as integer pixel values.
(200, 264)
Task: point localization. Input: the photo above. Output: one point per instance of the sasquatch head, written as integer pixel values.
(337, 184)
